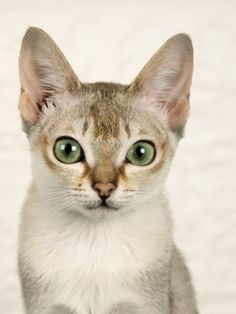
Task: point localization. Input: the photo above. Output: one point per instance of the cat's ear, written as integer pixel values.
(165, 81)
(44, 72)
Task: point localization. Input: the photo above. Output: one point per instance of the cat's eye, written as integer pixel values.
(68, 150)
(142, 153)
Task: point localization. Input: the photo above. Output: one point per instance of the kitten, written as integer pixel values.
(96, 232)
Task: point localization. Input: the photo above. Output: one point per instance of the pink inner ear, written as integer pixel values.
(30, 82)
(178, 113)
(29, 109)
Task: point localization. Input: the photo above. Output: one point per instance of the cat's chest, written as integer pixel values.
(91, 271)
(91, 291)
(92, 268)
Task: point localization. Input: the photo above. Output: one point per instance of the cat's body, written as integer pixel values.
(78, 254)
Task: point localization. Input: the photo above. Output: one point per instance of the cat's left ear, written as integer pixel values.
(44, 72)
(164, 83)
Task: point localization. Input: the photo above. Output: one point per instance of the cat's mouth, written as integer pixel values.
(103, 205)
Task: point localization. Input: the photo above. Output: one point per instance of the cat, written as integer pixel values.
(96, 232)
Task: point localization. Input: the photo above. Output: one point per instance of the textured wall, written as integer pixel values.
(111, 40)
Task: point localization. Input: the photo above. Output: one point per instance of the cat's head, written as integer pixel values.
(102, 147)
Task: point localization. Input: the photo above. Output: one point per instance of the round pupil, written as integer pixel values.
(140, 151)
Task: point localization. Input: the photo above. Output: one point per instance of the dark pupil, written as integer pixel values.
(140, 152)
(68, 149)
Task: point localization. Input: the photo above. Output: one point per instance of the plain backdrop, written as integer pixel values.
(111, 41)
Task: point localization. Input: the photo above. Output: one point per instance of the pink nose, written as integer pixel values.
(104, 190)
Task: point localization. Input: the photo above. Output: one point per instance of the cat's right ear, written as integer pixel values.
(44, 72)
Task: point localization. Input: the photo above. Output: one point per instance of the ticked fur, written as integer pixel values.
(76, 257)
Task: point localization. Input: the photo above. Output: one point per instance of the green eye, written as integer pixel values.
(68, 150)
(141, 153)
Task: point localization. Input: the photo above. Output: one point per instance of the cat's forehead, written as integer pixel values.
(104, 111)
(107, 108)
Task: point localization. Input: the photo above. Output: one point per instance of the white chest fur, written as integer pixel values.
(92, 266)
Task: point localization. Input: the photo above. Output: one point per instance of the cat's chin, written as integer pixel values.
(100, 210)
(98, 213)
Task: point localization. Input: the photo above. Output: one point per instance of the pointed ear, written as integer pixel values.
(44, 72)
(165, 81)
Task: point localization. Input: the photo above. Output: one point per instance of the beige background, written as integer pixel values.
(111, 40)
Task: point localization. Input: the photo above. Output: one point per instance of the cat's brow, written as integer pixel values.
(127, 130)
(85, 127)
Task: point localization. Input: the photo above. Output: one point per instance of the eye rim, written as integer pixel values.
(82, 156)
(153, 158)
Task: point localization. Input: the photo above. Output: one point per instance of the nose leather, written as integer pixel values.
(104, 190)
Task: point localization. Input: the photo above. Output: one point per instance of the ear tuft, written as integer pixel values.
(44, 72)
(165, 81)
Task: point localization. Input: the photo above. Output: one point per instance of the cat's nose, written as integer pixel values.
(104, 190)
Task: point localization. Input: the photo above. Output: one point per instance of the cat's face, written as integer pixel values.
(103, 147)
(108, 134)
